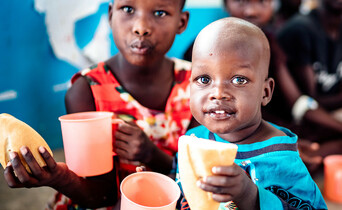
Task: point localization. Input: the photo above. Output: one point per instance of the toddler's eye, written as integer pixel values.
(239, 81)
(160, 13)
(127, 9)
(203, 80)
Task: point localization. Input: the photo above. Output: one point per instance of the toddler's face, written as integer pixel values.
(227, 85)
(258, 12)
(144, 30)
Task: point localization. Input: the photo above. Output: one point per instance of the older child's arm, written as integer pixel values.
(231, 183)
(79, 97)
(93, 192)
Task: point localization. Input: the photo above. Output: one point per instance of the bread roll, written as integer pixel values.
(15, 134)
(196, 157)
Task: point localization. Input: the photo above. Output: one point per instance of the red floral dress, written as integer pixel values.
(163, 127)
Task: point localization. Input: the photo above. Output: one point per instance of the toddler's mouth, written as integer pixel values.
(220, 114)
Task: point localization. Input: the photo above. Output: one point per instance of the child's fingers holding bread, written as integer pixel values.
(10, 177)
(31, 161)
(20, 171)
(14, 134)
(49, 160)
(24, 154)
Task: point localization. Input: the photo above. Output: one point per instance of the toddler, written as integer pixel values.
(229, 84)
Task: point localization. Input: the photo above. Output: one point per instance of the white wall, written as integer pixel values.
(203, 3)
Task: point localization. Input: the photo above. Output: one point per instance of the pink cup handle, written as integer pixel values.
(116, 121)
(338, 180)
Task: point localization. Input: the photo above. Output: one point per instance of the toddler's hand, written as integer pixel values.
(131, 143)
(231, 183)
(16, 175)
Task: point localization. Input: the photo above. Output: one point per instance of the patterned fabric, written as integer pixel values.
(61, 202)
(287, 197)
(277, 170)
(163, 127)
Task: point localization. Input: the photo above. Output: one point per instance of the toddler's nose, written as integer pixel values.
(220, 92)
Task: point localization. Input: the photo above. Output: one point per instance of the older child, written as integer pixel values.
(139, 83)
(229, 85)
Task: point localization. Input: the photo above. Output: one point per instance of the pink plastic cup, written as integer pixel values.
(87, 140)
(333, 178)
(149, 191)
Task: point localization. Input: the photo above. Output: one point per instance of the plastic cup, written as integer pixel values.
(87, 140)
(333, 178)
(149, 190)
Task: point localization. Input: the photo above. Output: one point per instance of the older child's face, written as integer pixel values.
(144, 30)
(258, 12)
(228, 85)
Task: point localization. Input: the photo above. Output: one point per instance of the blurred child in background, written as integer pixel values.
(313, 46)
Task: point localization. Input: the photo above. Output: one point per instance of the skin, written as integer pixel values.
(229, 84)
(143, 32)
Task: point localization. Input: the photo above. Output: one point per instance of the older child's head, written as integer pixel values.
(258, 12)
(229, 81)
(143, 30)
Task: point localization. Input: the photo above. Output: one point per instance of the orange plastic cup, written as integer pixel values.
(149, 191)
(87, 140)
(333, 178)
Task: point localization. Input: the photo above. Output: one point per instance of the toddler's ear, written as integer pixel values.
(183, 22)
(268, 91)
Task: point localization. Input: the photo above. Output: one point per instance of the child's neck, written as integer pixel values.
(256, 133)
(119, 65)
(149, 85)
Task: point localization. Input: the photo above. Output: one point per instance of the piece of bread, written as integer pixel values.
(15, 134)
(196, 157)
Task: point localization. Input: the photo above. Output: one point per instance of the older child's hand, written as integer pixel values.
(131, 143)
(16, 175)
(231, 183)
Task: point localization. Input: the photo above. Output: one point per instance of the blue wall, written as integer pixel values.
(29, 68)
